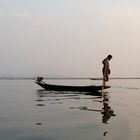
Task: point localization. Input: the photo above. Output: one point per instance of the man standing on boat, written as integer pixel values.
(106, 71)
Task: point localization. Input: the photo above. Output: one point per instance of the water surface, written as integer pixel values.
(27, 112)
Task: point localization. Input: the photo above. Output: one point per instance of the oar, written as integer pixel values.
(103, 84)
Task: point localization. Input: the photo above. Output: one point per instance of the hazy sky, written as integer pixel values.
(69, 37)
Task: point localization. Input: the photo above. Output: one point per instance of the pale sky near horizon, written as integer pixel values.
(69, 37)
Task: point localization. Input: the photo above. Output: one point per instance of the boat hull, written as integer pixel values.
(70, 88)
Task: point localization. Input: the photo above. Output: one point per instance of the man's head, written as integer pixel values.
(109, 57)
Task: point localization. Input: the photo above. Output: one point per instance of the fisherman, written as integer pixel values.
(106, 71)
(39, 79)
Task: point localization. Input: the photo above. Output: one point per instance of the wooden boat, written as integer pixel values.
(51, 87)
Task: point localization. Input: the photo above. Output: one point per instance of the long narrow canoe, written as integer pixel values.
(70, 88)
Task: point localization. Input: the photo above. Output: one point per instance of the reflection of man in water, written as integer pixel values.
(107, 111)
(106, 71)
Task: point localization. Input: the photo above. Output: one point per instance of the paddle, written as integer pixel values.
(103, 84)
(104, 75)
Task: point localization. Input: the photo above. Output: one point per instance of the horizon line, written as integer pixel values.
(61, 78)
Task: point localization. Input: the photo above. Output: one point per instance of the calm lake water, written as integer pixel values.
(27, 112)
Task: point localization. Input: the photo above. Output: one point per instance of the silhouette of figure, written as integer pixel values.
(106, 70)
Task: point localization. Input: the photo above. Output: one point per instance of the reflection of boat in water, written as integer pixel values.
(61, 98)
(51, 87)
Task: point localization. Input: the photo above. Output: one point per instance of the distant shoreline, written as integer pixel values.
(67, 78)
